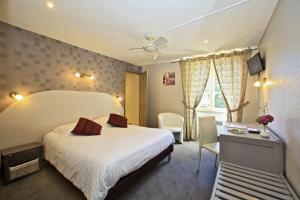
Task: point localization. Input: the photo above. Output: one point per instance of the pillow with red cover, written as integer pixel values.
(86, 127)
(117, 120)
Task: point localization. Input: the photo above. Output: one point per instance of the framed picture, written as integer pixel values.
(169, 78)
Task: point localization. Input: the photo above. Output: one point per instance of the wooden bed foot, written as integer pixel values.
(169, 158)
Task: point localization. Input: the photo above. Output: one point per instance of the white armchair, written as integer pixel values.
(172, 122)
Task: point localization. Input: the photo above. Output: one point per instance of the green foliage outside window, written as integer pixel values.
(219, 101)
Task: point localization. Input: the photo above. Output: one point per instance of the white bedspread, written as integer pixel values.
(95, 163)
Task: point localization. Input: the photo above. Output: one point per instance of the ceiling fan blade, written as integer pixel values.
(136, 48)
(157, 55)
(160, 41)
(148, 54)
(162, 46)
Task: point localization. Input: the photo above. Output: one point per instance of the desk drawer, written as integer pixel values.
(258, 154)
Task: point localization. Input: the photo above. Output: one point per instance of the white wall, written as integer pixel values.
(251, 110)
(281, 48)
(163, 98)
(169, 98)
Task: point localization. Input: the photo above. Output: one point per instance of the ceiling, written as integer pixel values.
(112, 27)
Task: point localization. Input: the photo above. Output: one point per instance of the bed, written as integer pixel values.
(100, 166)
(95, 164)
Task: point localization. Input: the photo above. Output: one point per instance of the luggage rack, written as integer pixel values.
(235, 182)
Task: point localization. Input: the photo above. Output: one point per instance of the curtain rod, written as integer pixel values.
(213, 54)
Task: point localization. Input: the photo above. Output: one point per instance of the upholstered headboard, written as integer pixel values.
(30, 119)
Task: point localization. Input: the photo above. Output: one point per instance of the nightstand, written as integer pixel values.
(19, 161)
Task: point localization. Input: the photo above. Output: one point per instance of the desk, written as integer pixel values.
(251, 150)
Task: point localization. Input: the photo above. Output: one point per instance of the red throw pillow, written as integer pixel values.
(117, 120)
(86, 127)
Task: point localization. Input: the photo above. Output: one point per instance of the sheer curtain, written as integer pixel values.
(194, 76)
(231, 71)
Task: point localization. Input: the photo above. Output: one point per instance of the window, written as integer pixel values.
(212, 100)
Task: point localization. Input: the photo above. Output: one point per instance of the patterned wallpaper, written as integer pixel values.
(31, 63)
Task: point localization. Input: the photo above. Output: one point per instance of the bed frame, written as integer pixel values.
(128, 180)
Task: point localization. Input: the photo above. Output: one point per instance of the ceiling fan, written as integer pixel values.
(159, 42)
(153, 48)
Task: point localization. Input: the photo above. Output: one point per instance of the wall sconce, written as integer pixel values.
(257, 84)
(119, 98)
(83, 75)
(263, 82)
(16, 96)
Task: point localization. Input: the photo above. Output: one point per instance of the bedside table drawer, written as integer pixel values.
(21, 160)
(24, 156)
(24, 169)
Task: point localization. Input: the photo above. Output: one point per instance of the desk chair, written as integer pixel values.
(208, 137)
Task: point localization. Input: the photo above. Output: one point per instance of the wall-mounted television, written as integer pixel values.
(255, 64)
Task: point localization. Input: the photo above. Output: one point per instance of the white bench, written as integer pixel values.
(235, 182)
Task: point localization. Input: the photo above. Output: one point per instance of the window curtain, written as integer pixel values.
(194, 76)
(231, 71)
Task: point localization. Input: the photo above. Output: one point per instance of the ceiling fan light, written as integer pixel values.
(150, 48)
(150, 36)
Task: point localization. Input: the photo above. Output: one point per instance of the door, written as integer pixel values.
(136, 99)
(132, 87)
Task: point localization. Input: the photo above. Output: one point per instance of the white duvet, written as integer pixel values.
(95, 163)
